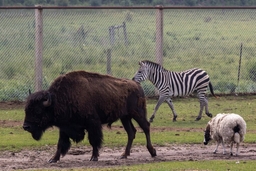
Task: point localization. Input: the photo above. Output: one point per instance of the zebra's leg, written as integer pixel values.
(169, 102)
(206, 108)
(159, 102)
(203, 103)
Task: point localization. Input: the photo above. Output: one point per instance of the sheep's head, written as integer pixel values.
(207, 134)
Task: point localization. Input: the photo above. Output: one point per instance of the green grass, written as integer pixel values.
(163, 131)
(215, 165)
(185, 130)
(190, 40)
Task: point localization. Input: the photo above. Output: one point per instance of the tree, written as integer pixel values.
(62, 2)
(29, 3)
(95, 2)
(190, 2)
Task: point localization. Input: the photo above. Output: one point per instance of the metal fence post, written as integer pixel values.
(109, 51)
(159, 34)
(159, 38)
(38, 48)
(125, 35)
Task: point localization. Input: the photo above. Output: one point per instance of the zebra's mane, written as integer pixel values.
(153, 64)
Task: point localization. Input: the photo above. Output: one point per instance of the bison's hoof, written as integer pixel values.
(94, 158)
(123, 157)
(52, 161)
(153, 154)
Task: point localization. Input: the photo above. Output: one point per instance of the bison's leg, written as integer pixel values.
(131, 131)
(62, 147)
(145, 125)
(95, 137)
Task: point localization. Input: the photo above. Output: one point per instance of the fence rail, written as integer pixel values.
(39, 43)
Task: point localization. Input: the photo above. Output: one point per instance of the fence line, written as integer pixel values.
(38, 49)
(39, 43)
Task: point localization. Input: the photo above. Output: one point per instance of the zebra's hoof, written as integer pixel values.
(174, 119)
(151, 119)
(209, 115)
(198, 118)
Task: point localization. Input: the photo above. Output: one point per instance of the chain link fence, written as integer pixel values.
(113, 41)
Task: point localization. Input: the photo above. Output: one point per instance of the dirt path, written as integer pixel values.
(79, 157)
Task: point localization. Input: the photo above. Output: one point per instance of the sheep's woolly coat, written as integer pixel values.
(226, 129)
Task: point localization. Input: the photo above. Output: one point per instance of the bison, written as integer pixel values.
(81, 101)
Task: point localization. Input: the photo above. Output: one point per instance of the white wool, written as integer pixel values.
(237, 138)
(222, 129)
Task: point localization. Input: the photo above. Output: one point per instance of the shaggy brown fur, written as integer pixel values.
(81, 101)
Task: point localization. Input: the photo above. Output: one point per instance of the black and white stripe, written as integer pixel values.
(172, 84)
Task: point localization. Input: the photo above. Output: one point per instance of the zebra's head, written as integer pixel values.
(207, 134)
(142, 73)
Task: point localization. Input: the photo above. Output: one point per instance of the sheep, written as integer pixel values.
(226, 129)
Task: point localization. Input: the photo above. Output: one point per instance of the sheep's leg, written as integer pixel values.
(216, 149)
(237, 149)
(231, 148)
(169, 102)
(159, 102)
(223, 146)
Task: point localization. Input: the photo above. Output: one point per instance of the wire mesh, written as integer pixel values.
(113, 41)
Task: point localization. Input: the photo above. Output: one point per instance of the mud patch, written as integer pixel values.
(78, 157)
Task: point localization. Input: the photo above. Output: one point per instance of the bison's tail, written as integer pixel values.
(211, 90)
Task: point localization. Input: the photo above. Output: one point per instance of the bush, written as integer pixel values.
(252, 71)
(225, 87)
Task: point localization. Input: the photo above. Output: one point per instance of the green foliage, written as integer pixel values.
(95, 2)
(62, 2)
(129, 2)
(15, 90)
(252, 71)
(201, 38)
(225, 87)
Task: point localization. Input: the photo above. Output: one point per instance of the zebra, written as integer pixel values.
(173, 84)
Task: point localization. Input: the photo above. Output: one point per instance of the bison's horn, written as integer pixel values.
(48, 102)
(29, 91)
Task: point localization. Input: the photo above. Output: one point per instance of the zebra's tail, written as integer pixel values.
(211, 90)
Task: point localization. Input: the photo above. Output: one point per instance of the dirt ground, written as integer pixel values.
(79, 156)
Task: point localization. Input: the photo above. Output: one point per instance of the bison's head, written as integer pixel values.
(207, 135)
(38, 113)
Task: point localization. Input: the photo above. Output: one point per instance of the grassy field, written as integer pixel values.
(163, 131)
(209, 39)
